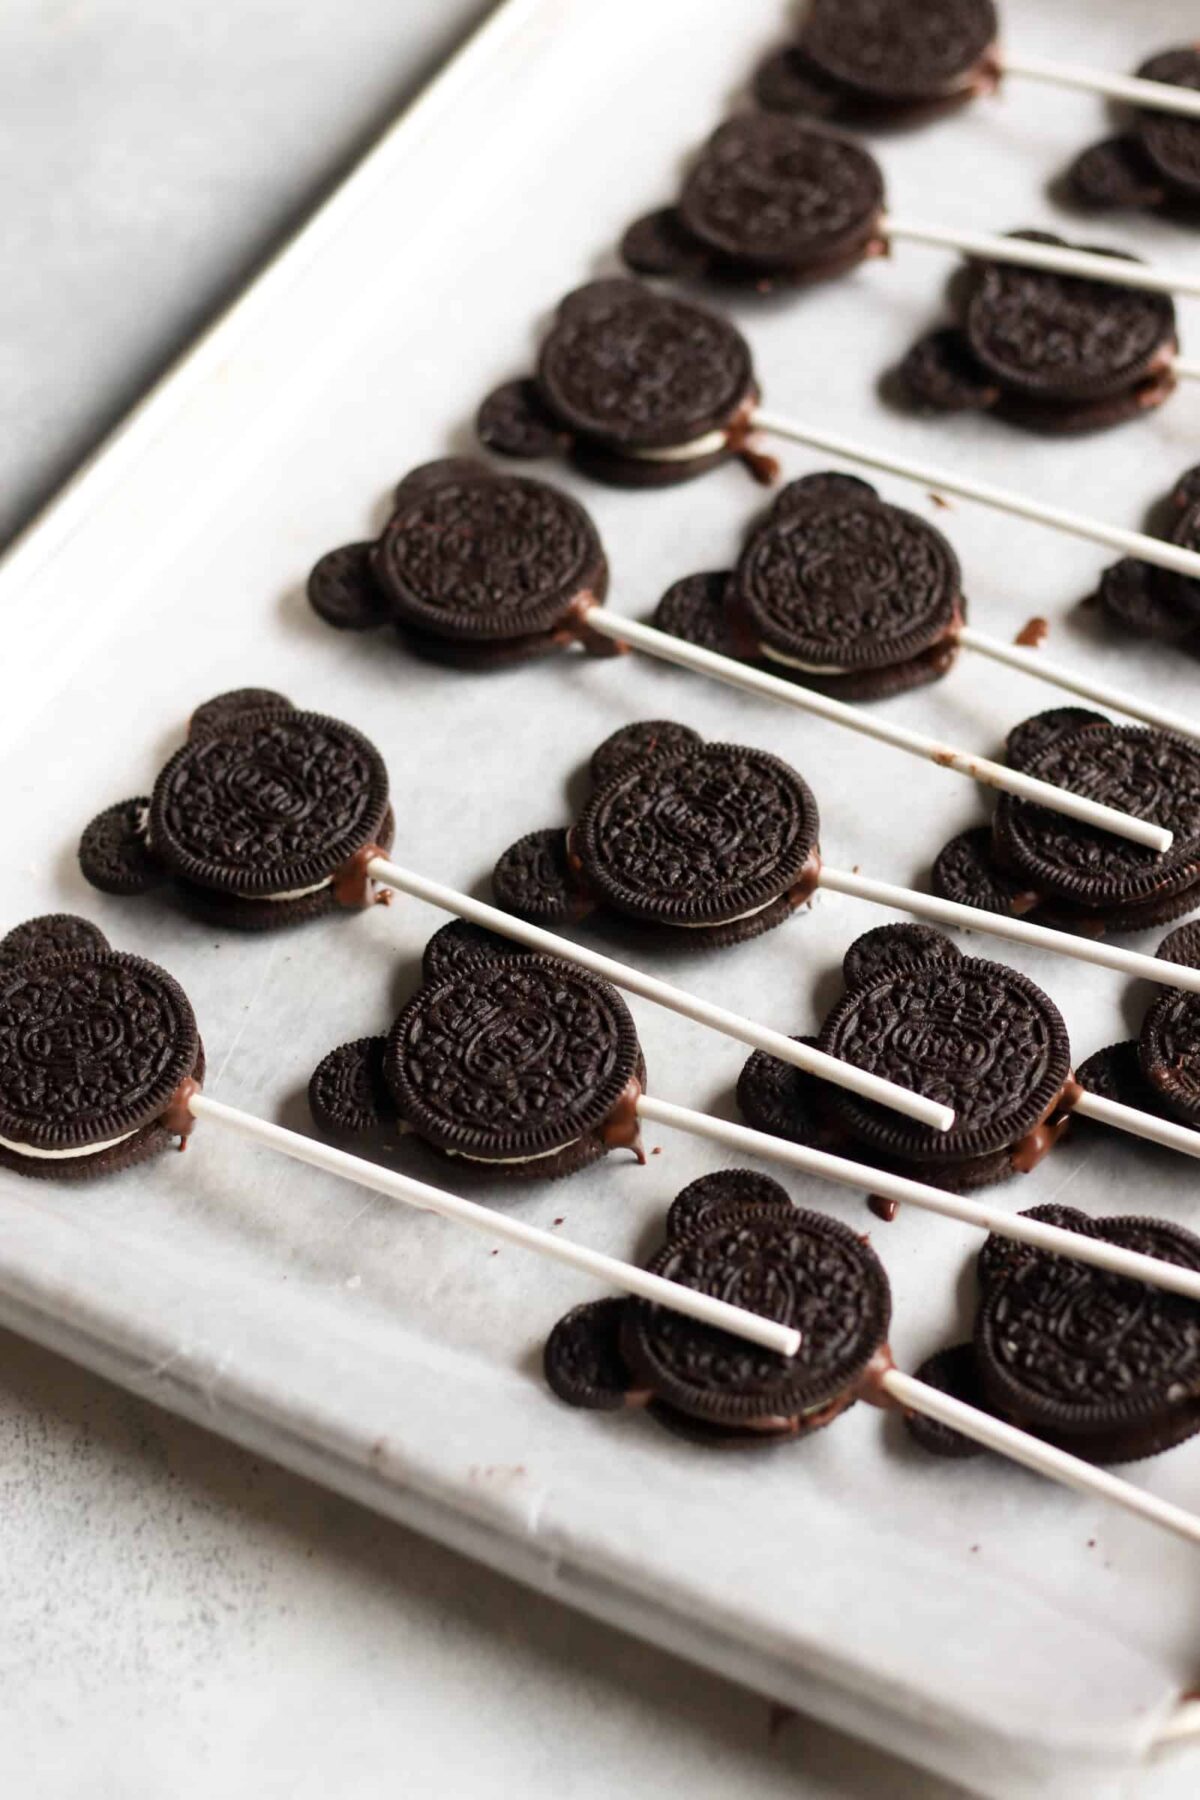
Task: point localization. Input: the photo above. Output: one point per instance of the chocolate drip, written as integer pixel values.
(622, 1130)
(808, 881)
(176, 1116)
(1033, 633)
(353, 885)
(764, 467)
(573, 628)
(870, 1383)
(1053, 1124)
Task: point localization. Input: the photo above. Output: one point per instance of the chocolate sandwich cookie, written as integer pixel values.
(265, 816)
(787, 1102)
(1054, 353)
(583, 1363)
(96, 1051)
(834, 589)
(639, 389)
(727, 1187)
(1150, 602)
(474, 569)
(1155, 165)
(1106, 1367)
(952, 1371)
(769, 200)
(516, 1065)
(710, 843)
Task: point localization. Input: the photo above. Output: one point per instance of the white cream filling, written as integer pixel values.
(708, 445)
(793, 662)
(57, 1155)
(291, 893)
(498, 1160)
(713, 924)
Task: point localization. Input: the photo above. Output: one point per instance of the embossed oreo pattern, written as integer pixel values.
(90, 1047)
(779, 194)
(850, 584)
(1059, 338)
(488, 556)
(800, 1268)
(1148, 773)
(512, 1058)
(976, 1035)
(635, 369)
(276, 802)
(899, 49)
(700, 837)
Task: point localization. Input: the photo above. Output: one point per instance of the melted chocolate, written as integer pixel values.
(176, 1116)
(622, 1129)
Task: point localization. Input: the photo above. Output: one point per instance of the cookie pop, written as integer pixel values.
(1155, 164)
(892, 60)
(479, 570)
(738, 1233)
(268, 816)
(772, 202)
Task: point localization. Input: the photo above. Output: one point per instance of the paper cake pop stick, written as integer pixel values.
(1032, 662)
(1154, 96)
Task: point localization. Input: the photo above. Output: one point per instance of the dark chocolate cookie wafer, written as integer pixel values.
(1134, 596)
(526, 1062)
(695, 610)
(348, 1094)
(789, 1103)
(1115, 173)
(53, 934)
(976, 1035)
(726, 1187)
(1026, 741)
(1115, 1073)
(1169, 1053)
(459, 946)
(240, 703)
(891, 52)
(93, 1047)
(941, 373)
(951, 1371)
(965, 870)
(890, 949)
(583, 1363)
(533, 879)
(649, 737)
(800, 1268)
(114, 851)
(343, 590)
(1171, 141)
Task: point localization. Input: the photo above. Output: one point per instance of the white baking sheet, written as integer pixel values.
(1015, 1637)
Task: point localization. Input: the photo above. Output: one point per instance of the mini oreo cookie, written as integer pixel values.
(890, 948)
(708, 836)
(533, 880)
(114, 853)
(348, 1093)
(787, 1102)
(1115, 1073)
(53, 934)
(1169, 1053)
(1170, 140)
(519, 1063)
(583, 1363)
(649, 737)
(801, 1268)
(695, 610)
(1115, 173)
(1134, 596)
(965, 871)
(901, 52)
(93, 1047)
(941, 373)
(708, 1193)
(459, 946)
(951, 1371)
(976, 1035)
(1000, 1256)
(1026, 741)
(227, 709)
(342, 589)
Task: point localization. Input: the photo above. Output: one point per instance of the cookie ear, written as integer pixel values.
(648, 738)
(114, 851)
(460, 946)
(514, 420)
(778, 1098)
(788, 83)
(582, 1361)
(966, 871)
(427, 476)
(343, 591)
(348, 1093)
(1115, 1073)
(659, 243)
(823, 484)
(941, 374)
(727, 1187)
(1186, 491)
(1000, 1258)
(1182, 945)
(1113, 173)
(1027, 740)
(597, 294)
(227, 709)
(694, 609)
(952, 1371)
(52, 934)
(1135, 597)
(533, 880)
(890, 949)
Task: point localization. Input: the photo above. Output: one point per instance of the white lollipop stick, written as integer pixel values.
(1032, 662)
(623, 1276)
(678, 1000)
(961, 762)
(1185, 369)
(1166, 1132)
(1017, 931)
(1113, 537)
(744, 1141)
(1158, 96)
(1058, 1465)
(1026, 253)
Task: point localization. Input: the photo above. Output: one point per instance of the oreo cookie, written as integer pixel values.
(1155, 164)
(1147, 601)
(787, 1102)
(474, 569)
(834, 589)
(95, 1046)
(263, 817)
(727, 1187)
(952, 1371)
(639, 389)
(769, 200)
(1053, 353)
(583, 1363)
(709, 843)
(520, 1066)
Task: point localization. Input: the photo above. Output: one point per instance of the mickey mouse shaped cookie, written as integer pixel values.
(639, 389)
(1148, 602)
(1054, 353)
(1102, 1366)
(888, 60)
(515, 1065)
(738, 1235)
(267, 815)
(1159, 1071)
(769, 201)
(1065, 873)
(834, 589)
(474, 568)
(975, 1034)
(1154, 165)
(98, 1050)
(707, 844)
